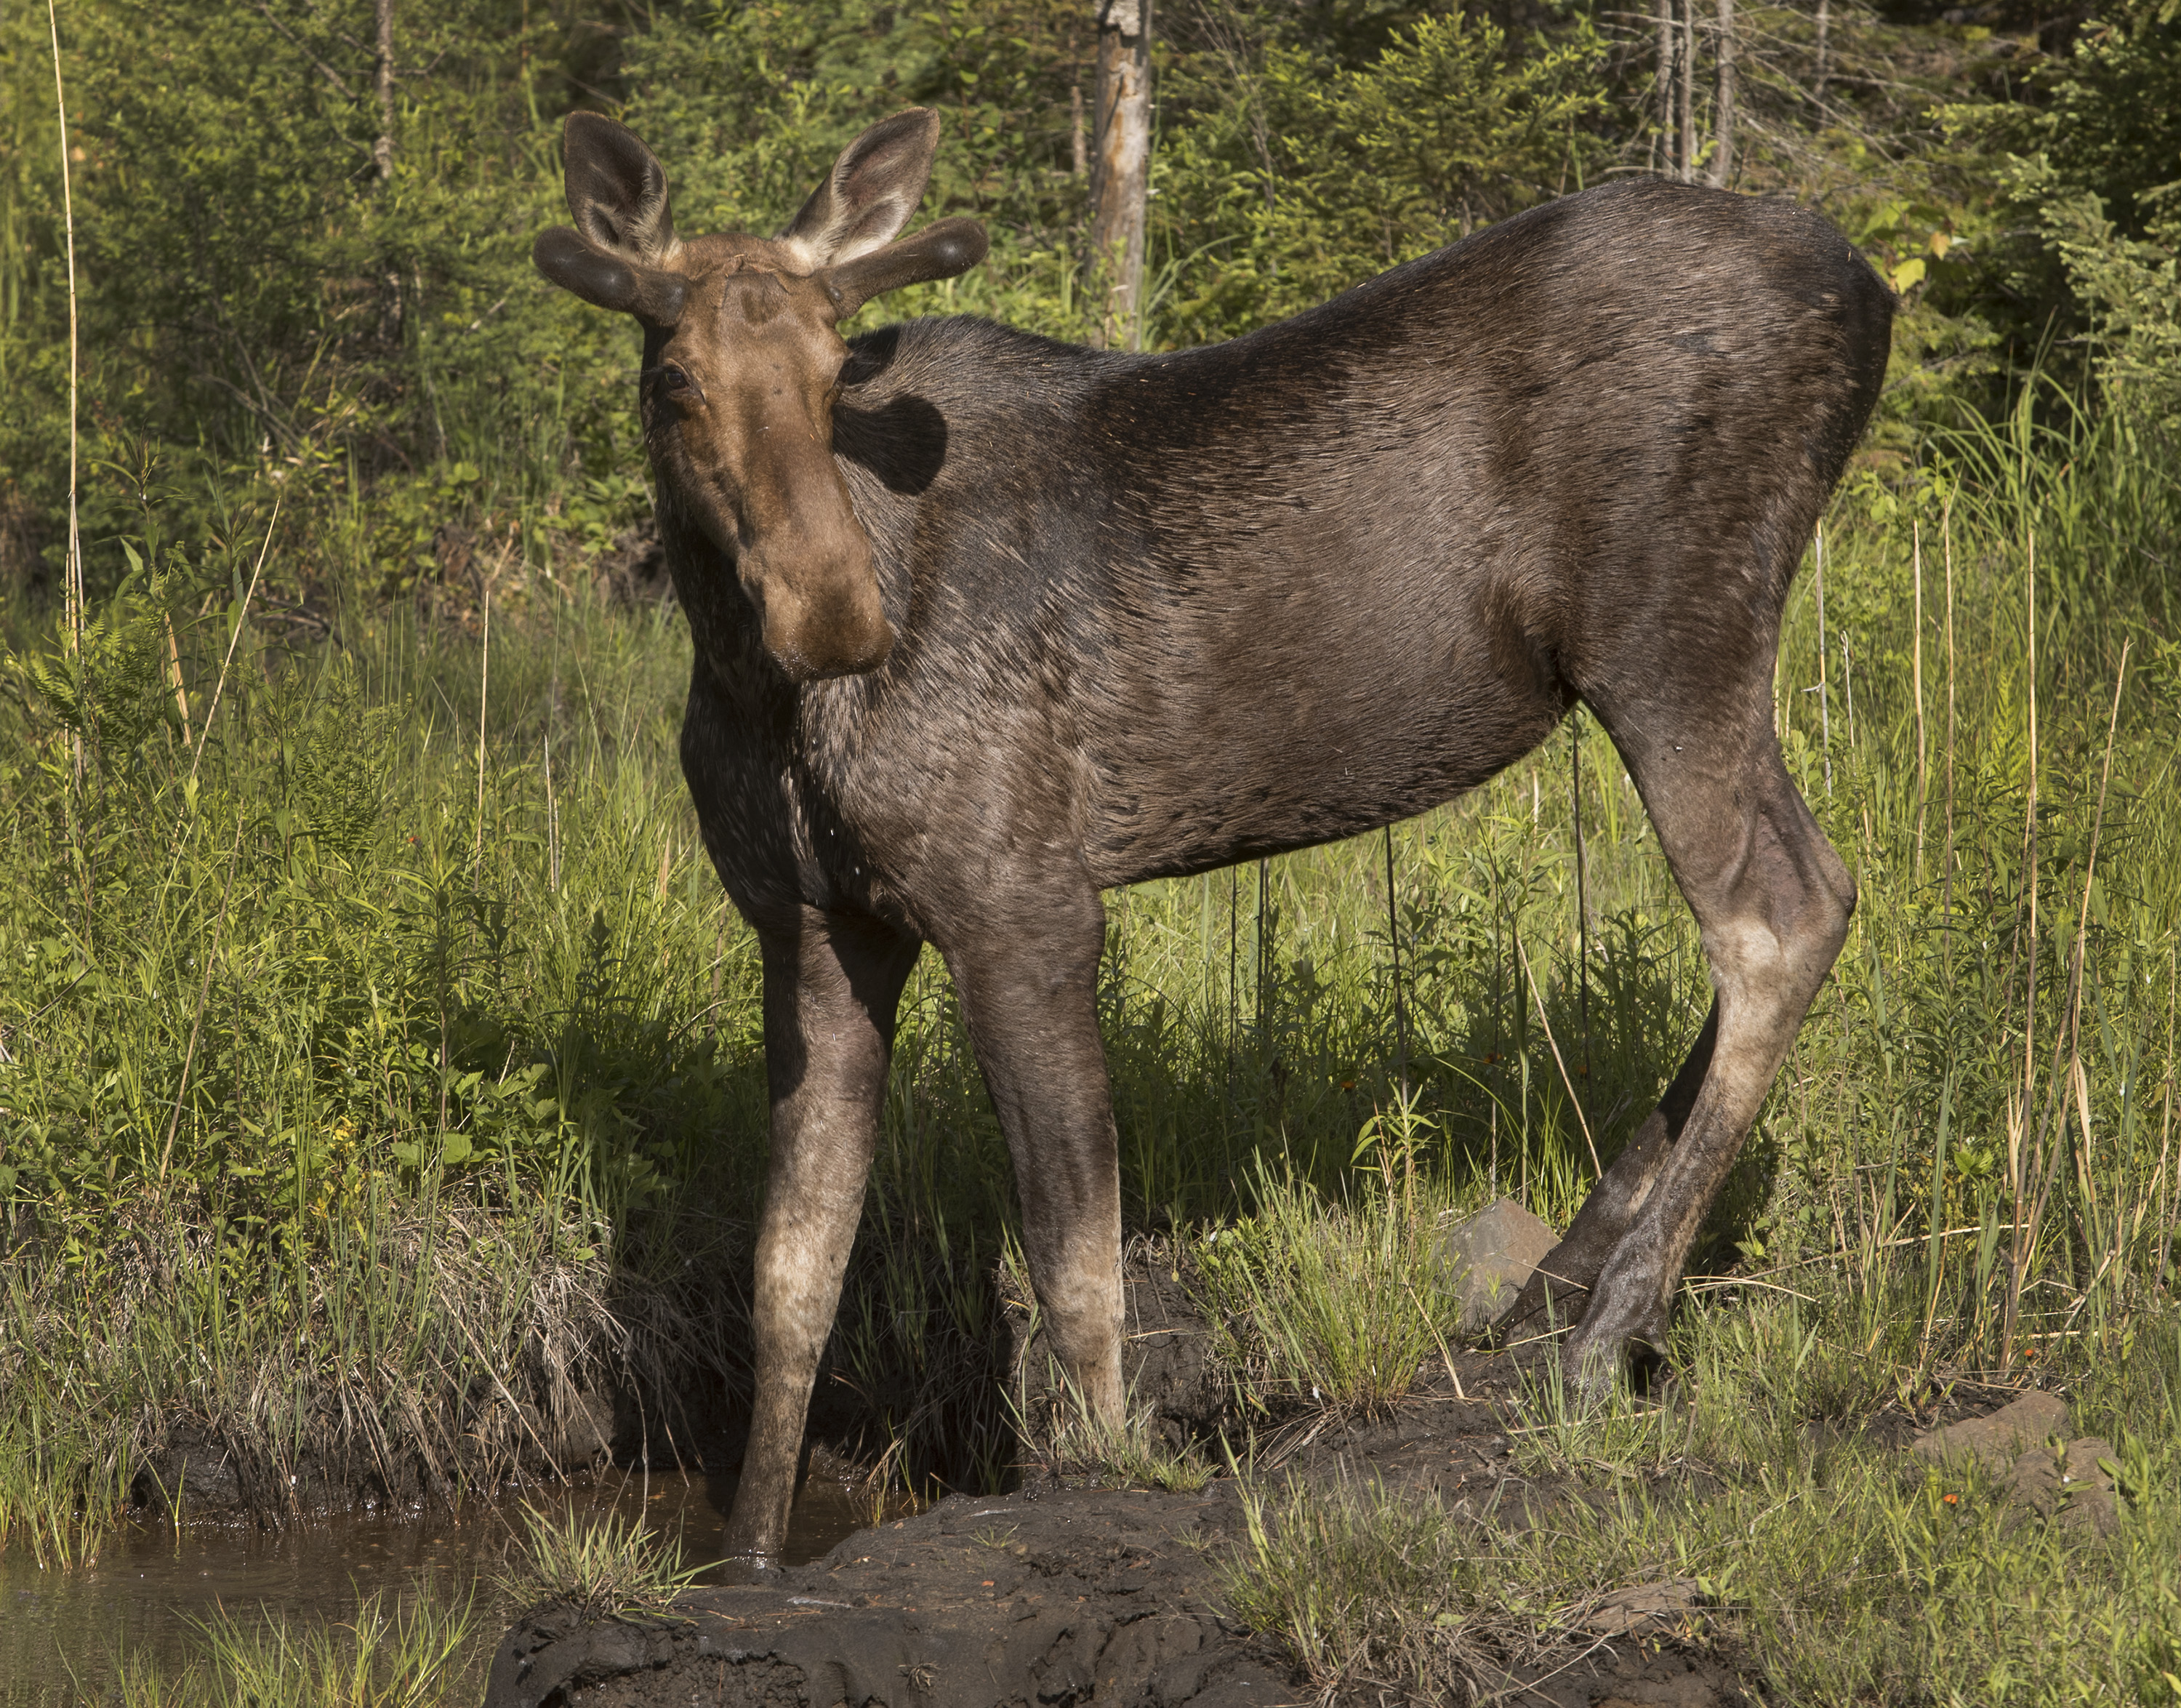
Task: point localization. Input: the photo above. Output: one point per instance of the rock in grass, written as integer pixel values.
(2001, 1439)
(2067, 1484)
(1490, 1256)
(1644, 1610)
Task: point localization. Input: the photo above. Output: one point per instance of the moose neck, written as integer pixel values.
(724, 625)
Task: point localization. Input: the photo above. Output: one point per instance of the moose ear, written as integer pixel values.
(617, 189)
(624, 234)
(870, 192)
(940, 251)
(606, 280)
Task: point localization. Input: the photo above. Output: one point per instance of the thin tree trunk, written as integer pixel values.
(1120, 175)
(382, 155)
(381, 152)
(72, 586)
(1666, 86)
(1722, 157)
(1687, 161)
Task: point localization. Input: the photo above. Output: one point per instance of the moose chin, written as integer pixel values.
(985, 625)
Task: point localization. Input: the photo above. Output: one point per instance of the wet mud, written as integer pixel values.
(1073, 1597)
(1060, 1596)
(1066, 1592)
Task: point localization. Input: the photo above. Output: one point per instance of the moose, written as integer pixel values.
(986, 624)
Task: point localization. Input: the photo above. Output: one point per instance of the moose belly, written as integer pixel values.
(1283, 746)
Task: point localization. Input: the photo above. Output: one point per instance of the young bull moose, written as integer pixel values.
(985, 625)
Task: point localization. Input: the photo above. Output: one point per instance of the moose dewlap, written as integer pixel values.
(985, 625)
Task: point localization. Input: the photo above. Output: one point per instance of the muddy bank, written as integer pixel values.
(1072, 1597)
(198, 1472)
(1057, 1595)
(1065, 1592)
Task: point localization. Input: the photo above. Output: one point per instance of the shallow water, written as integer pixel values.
(62, 1632)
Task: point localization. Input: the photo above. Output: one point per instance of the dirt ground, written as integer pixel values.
(1051, 1596)
(1063, 1593)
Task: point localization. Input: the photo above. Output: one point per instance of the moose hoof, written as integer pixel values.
(1591, 1370)
(1603, 1351)
(750, 1571)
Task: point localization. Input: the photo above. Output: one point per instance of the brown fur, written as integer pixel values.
(986, 624)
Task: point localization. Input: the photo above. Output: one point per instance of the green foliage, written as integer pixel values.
(1300, 177)
(108, 686)
(2091, 164)
(335, 1069)
(748, 104)
(254, 297)
(1131, 1452)
(1334, 1307)
(2127, 289)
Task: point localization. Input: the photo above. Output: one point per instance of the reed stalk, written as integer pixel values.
(1916, 548)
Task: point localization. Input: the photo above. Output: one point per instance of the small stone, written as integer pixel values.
(2001, 1438)
(1643, 1609)
(2067, 1484)
(1490, 1256)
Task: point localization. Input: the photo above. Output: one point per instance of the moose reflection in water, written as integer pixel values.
(985, 625)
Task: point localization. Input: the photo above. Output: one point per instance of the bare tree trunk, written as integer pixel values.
(1825, 30)
(1666, 86)
(382, 151)
(382, 154)
(1722, 159)
(1121, 168)
(1687, 161)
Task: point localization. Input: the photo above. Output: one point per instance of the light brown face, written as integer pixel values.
(738, 413)
(743, 363)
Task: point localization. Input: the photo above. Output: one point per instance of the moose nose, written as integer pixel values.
(836, 627)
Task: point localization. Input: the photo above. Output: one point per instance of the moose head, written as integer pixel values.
(742, 356)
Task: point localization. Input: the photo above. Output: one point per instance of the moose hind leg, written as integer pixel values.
(1772, 900)
(832, 984)
(1559, 1288)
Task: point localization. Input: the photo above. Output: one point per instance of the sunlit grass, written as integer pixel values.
(401, 1651)
(601, 1565)
(1821, 1564)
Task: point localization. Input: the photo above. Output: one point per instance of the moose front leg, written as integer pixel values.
(832, 985)
(1029, 993)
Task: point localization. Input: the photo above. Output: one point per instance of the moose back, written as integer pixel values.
(986, 624)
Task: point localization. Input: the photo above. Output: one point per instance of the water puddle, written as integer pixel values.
(62, 1632)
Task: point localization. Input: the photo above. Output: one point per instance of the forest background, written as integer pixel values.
(380, 1095)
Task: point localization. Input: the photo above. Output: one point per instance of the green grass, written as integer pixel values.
(1829, 1568)
(394, 1652)
(1334, 1307)
(601, 1565)
(1133, 1451)
(332, 1119)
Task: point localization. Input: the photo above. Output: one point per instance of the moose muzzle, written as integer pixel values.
(819, 619)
